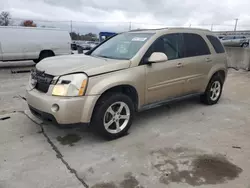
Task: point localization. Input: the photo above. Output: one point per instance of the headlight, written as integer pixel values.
(32, 81)
(71, 85)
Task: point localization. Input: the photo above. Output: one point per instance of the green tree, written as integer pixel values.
(74, 36)
(87, 37)
(5, 19)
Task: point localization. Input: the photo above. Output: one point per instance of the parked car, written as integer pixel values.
(25, 43)
(221, 37)
(130, 72)
(92, 44)
(73, 46)
(236, 41)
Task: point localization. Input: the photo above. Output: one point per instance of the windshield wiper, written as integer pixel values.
(108, 57)
(104, 56)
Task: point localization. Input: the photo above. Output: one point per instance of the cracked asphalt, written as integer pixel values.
(183, 144)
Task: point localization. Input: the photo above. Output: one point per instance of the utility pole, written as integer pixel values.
(71, 26)
(236, 22)
(212, 27)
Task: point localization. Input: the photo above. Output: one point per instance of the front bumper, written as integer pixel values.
(72, 110)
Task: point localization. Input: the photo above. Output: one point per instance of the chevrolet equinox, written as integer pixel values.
(129, 72)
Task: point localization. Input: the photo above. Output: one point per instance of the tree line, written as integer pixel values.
(87, 37)
(5, 20)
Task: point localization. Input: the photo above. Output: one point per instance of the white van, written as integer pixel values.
(26, 43)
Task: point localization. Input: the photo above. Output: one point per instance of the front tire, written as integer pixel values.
(213, 91)
(113, 115)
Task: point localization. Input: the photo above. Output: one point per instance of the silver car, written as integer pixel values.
(236, 41)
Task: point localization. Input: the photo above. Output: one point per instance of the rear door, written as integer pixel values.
(236, 41)
(198, 62)
(227, 41)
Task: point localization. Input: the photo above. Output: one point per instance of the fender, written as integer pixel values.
(134, 77)
(216, 68)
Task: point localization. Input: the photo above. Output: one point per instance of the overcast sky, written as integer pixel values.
(198, 13)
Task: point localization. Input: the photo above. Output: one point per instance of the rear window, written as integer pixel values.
(216, 44)
(195, 45)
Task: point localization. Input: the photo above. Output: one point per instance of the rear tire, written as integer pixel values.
(43, 55)
(213, 91)
(36, 60)
(244, 45)
(113, 115)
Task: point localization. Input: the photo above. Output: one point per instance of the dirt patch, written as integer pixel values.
(69, 139)
(143, 174)
(236, 147)
(194, 170)
(91, 170)
(129, 182)
(215, 169)
(105, 185)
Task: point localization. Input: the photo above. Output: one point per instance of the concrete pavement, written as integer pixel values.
(184, 144)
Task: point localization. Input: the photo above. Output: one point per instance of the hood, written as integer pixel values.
(67, 64)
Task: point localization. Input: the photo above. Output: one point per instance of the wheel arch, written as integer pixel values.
(47, 51)
(126, 89)
(220, 72)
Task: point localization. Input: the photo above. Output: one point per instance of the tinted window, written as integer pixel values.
(216, 44)
(240, 37)
(228, 38)
(195, 45)
(170, 44)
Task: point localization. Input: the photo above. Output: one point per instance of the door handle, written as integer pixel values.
(179, 65)
(208, 60)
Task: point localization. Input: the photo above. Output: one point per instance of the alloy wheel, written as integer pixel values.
(215, 91)
(116, 117)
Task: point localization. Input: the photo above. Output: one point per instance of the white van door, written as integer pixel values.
(34, 41)
(11, 44)
(1, 56)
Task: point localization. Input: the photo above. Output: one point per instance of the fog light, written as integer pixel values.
(55, 108)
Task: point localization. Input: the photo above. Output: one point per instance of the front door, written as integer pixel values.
(165, 80)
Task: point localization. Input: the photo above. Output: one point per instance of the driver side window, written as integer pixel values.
(170, 44)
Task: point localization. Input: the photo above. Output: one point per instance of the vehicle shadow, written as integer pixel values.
(171, 108)
(72, 135)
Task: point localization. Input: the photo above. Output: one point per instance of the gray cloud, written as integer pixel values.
(161, 12)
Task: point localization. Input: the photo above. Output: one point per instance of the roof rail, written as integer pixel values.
(148, 29)
(188, 28)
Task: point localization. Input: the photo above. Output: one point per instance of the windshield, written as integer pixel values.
(122, 46)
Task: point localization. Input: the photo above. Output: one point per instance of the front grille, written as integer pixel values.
(43, 81)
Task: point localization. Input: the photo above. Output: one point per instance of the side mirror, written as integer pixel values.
(157, 57)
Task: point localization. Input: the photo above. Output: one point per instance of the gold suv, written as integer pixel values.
(129, 72)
